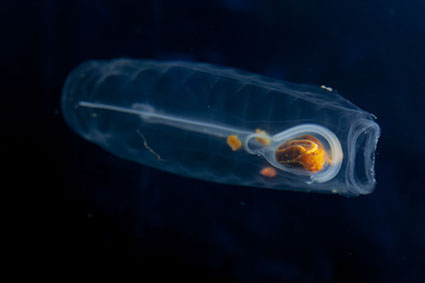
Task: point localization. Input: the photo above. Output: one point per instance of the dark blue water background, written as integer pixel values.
(113, 215)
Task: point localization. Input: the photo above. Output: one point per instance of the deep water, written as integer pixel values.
(107, 215)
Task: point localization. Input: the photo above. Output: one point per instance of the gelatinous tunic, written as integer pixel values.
(223, 125)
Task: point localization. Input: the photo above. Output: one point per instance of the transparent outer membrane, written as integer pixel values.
(223, 125)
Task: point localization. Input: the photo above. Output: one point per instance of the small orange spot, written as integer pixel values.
(305, 151)
(268, 172)
(234, 142)
(264, 141)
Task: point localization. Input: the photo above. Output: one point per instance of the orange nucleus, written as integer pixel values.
(305, 152)
(234, 142)
(268, 172)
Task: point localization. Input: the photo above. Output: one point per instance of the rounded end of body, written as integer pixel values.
(361, 147)
(341, 164)
(79, 87)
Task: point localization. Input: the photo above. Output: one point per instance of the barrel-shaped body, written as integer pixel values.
(223, 98)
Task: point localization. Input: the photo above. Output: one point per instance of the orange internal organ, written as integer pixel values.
(234, 142)
(264, 141)
(268, 172)
(306, 152)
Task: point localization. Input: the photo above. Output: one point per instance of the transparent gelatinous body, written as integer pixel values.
(223, 125)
